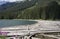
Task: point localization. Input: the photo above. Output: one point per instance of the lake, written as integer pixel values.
(9, 23)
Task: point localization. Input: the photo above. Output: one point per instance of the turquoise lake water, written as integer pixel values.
(9, 23)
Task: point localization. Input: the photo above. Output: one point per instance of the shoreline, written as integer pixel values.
(17, 27)
(40, 24)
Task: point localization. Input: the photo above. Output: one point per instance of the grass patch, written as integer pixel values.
(2, 37)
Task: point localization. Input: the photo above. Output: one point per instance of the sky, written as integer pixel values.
(11, 0)
(4, 1)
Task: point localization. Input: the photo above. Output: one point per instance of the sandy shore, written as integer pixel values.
(40, 26)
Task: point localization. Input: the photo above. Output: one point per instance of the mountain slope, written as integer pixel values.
(13, 8)
(34, 9)
(2, 2)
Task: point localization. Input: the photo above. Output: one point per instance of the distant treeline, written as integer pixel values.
(33, 10)
(51, 11)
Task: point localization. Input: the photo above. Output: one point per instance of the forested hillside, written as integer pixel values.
(34, 9)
